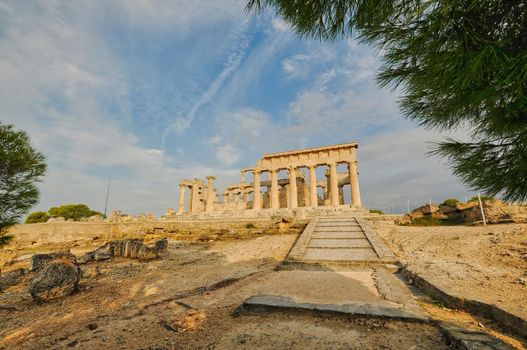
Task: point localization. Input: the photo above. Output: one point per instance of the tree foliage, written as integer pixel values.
(457, 63)
(21, 167)
(37, 217)
(449, 202)
(73, 211)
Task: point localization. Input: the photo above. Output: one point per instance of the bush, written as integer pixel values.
(36, 217)
(73, 211)
(452, 202)
(250, 225)
(376, 211)
(431, 221)
(483, 198)
(4, 239)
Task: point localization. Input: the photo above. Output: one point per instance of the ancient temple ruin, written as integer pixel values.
(297, 194)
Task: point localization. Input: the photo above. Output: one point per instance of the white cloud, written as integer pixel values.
(57, 75)
(228, 154)
(279, 24)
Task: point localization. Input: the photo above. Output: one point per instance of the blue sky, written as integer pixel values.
(150, 92)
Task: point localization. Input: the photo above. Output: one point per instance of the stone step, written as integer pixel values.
(338, 235)
(339, 243)
(340, 254)
(338, 229)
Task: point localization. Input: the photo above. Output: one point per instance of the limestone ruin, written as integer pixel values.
(295, 195)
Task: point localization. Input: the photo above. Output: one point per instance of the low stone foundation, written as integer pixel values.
(63, 232)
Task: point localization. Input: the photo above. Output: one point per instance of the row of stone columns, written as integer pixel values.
(293, 198)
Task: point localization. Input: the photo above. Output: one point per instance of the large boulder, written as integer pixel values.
(38, 261)
(55, 280)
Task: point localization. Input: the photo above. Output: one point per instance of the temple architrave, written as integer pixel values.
(296, 194)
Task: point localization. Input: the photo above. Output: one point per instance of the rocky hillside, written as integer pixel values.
(452, 212)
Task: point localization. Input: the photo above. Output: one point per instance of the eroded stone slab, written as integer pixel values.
(272, 302)
(360, 291)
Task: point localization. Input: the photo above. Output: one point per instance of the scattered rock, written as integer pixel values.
(55, 280)
(162, 246)
(11, 278)
(91, 272)
(131, 248)
(147, 253)
(128, 248)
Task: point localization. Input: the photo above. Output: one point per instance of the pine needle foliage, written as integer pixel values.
(21, 166)
(456, 62)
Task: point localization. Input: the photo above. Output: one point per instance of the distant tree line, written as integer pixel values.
(67, 211)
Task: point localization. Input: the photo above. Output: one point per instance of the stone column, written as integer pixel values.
(210, 194)
(225, 199)
(313, 185)
(334, 191)
(293, 195)
(192, 203)
(341, 195)
(230, 196)
(275, 204)
(257, 201)
(354, 184)
(182, 189)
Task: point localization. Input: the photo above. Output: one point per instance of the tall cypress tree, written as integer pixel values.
(457, 63)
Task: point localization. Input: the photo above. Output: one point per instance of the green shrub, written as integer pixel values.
(73, 211)
(483, 198)
(376, 211)
(36, 217)
(4, 239)
(250, 225)
(431, 221)
(449, 202)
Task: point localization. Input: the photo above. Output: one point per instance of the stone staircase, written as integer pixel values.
(339, 241)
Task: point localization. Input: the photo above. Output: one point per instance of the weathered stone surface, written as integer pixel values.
(86, 258)
(147, 253)
(162, 246)
(131, 248)
(468, 339)
(274, 302)
(11, 278)
(38, 261)
(55, 280)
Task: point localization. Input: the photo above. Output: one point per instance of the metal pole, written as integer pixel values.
(482, 212)
(107, 195)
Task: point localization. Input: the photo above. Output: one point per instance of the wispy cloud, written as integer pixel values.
(235, 57)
